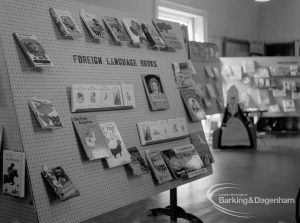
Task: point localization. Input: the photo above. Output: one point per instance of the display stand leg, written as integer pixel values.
(173, 210)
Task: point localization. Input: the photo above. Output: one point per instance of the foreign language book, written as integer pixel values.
(110, 96)
(156, 95)
(120, 155)
(263, 97)
(13, 173)
(134, 31)
(91, 137)
(65, 22)
(93, 25)
(174, 125)
(168, 33)
(289, 85)
(211, 91)
(45, 113)
(182, 126)
(153, 36)
(278, 93)
(60, 183)
(274, 108)
(165, 128)
(182, 74)
(150, 132)
(128, 94)
(209, 72)
(79, 96)
(192, 102)
(138, 165)
(288, 105)
(116, 29)
(273, 71)
(248, 66)
(33, 50)
(158, 166)
(173, 163)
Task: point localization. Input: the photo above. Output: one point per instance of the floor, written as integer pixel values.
(270, 172)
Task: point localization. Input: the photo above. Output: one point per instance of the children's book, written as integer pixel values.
(174, 126)
(182, 126)
(128, 94)
(209, 72)
(13, 173)
(138, 165)
(116, 29)
(120, 155)
(45, 113)
(156, 95)
(150, 132)
(274, 108)
(60, 183)
(110, 96)
(134, 31)
(278, 93)
(153, 36)
(289, 85)
(91, 137)
(158, 166)
(294, 69)
(173, 163)
(65, 22)
(288, 105)
(33, 50)
(79, 95)
(166, 129)
(211, 91)
(182, 74)
(263, 97)
(248, 66)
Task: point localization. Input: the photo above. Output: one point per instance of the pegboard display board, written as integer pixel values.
(102, 189)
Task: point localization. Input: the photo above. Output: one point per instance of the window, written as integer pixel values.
(194, 19)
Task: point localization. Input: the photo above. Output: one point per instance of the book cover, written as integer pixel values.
(156, 95)
(158, 166)
(289, 85)
(128, 94)
(262, 72)
(60, 183)
(295, 95)
(13, 173)
(236, 72)
(91, 137)
(45, 113)
(138, 165)
(274, 108)
(190, 160)
(283, 68)
(174, 126)
(65, 22)
(79, 96)
(203, 51)
(166, 129)
(209, 72)
(116, 29)
(207, 103)
(153, 36)
(93, 25)
(150, 132)
(248, 66)
(211, 91)
(110, 96)
(173, 163)
(294, 69)
(167, 31)
(288, 105)
(33, 50)
(120, 155)
(278, 93)
(182, 126)
(273, 71)
(192, 103)
(182, 74)
(226, 70)
(216, 72)
(134, 31)
(92, 96)
(263, 97)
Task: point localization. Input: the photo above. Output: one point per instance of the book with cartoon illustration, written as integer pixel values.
(135, 32)
(120, 155)
(173, 163)
(65, 22)
(110, 96)
(182, 73)
(13, 179)
(116, 29)
(79, 96)
(138, 165)
(33, 50)
(45, 113)
(128, 94)
(288, 105)
(154, 38)
(91, 137)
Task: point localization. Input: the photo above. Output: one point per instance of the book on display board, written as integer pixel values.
(158, 166)
(33, 50)
(150, 132)
(154, 38)
(288, 105)
(91, 137)
(134, 31)
(211, 91)
(13, 173)
(174, 126)
(209, 72)
(138, 165)
(120, 155)
(128, 94)
(173, 163)
(93, 25)
(116, 29)
(165, 128)
(182, 74)
(60, 183)
(45, 113)
(65, 22)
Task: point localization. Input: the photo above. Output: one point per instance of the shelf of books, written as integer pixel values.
(92, 102)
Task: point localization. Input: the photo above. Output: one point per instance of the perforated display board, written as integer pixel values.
(101, 189)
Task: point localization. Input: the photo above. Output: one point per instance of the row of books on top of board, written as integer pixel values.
(199, 51)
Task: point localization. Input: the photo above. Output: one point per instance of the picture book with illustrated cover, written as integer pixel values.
(93, 25)
(289, 85)
(116, 29)
(190, 160)
(150, 132)
(204, 51)
(165, 128)
(120, 155)
(154, 38)
(288, 105)
(211, 91)
(110, 96)
(209, 72)
(274, 108)
(182, 126)
(192, 103)
(182, 74)
(79, 96)
(60, 183)
(33, 50)
(135, 32)
(174, 164)
(128, 94)
(91, 137)
(138, 165)
(65, 22)
(263, 97)
(248, 66)
(13, 181)
(167, 31)
(278, 93)
(158, 166)
(45, 113)
(156, 95)
(173, 123)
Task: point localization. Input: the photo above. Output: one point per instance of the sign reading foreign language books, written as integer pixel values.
(135, 32)
(116, 29)
(153, 36)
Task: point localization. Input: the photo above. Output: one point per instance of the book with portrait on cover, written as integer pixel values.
(116, 29)
(153, 36)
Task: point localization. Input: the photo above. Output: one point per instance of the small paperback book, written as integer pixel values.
(13, 173)
(156, 95)
(158, 166)
(182, 74)
(182, 126)
(110, 96)
(138, 165)
(150, 132)
(60, 183)
(173, 163)
(288, 105)
(134, 31)
(166, 129)
(116, 29)
(128, 94)
(153, 36)
(45, 113)
(93, 25)
(91, 137)
(192, 103)
(33, 50)
(174, 125)
(209, 72)
(65, 22)
(120, 155)
(211, 91)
